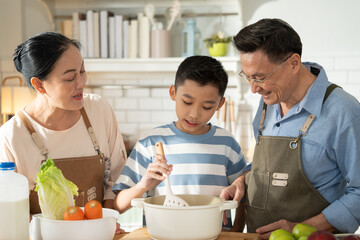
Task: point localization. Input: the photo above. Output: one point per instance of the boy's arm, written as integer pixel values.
(123, 198)
(152, 178)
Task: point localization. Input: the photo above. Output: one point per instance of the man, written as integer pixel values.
(307, 158)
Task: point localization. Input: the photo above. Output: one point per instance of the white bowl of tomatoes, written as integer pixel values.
(74, 229)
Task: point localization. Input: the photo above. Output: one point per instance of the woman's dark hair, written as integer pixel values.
(274, 37)
(203, 70)
(37, 55)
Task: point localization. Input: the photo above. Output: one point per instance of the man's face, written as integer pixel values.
(278, 85)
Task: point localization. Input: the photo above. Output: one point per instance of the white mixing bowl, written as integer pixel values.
(199, 221)
(95, 229)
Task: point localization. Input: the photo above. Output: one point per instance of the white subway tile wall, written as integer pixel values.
(147, 105)
(140, 109)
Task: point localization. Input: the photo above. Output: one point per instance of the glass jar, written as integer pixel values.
(191, 39)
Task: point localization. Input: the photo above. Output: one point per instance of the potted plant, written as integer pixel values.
(218, 44)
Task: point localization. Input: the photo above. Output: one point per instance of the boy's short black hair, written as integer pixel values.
(203, 70)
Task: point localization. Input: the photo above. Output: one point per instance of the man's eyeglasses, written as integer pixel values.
(242, 74)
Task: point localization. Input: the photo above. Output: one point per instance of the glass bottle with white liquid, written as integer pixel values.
(14, 204)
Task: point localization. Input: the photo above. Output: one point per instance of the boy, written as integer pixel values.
(202, 158)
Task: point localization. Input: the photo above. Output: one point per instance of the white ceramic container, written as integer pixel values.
(202, 220)
(95, 229)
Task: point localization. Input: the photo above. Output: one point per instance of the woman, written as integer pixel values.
(78, 131)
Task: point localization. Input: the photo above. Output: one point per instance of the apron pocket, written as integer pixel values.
(257, 189)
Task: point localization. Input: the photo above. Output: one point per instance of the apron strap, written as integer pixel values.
(44, 151)
(329, 90)
(41, 145)
(310, 119)
(305, 127)
(262, 120)
(92, 134)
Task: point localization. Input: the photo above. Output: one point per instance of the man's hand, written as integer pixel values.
(236, 190)
(319, 222)
(266, 230)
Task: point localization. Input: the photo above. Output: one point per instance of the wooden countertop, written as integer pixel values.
(142, 234)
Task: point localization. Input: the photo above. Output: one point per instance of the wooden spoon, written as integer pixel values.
(171, 200)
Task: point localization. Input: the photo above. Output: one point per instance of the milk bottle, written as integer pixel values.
(14, 204)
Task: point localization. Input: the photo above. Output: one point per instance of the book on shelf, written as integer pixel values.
(76, 17)
(96, 31)
(133, 38)
(144, 36)
(126, 38)
(111, 37)
(104, 33)
(67, 28)
(83, 38)
(118, 36)
(90, 33)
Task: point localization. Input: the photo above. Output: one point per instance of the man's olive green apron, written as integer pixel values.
(86, 172)
(277, 187)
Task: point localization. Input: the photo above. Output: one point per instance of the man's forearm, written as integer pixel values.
(320, 223)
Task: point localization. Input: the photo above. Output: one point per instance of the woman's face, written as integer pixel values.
(63, 87)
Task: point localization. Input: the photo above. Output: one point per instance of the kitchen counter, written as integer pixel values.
(142, 234)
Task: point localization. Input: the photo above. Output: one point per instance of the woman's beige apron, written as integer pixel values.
(86, 172)
(277, 187)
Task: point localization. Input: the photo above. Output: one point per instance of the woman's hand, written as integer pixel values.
(155, 172)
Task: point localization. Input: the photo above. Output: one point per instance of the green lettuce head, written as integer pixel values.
(55, 192)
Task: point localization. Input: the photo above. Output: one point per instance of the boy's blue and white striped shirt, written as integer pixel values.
(202, 164)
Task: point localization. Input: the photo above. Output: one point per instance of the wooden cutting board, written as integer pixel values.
(142, 234)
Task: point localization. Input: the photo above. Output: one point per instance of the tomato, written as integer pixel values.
(74, 213)
(93, 210)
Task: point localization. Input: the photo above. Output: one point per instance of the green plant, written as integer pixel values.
(217, 38)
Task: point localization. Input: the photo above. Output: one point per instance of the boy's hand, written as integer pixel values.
(155, 172)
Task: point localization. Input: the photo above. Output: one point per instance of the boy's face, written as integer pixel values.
(195, 105)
